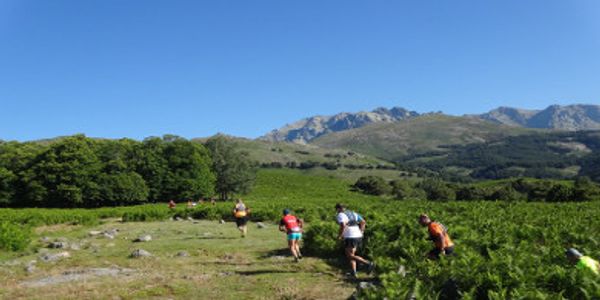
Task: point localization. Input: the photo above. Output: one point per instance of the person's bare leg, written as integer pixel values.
(292, 247)
(298, 248)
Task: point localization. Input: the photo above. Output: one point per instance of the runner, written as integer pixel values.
(291, 225)
(352, 227)
(240, 212)
(583, 262)
(439, 235)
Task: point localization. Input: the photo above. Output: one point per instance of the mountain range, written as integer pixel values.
(567, 118)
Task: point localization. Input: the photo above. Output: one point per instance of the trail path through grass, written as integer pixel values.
(220, 265)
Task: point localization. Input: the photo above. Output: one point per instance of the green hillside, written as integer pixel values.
(284, 152)
(426, 133)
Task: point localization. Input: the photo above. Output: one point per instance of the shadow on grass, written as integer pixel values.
(209, 238)
(261, 272)
(276, 252)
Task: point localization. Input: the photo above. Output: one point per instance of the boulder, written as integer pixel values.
(58, 245)
(222, 221)
(94, 233)
(140, 253)
(143, 238)
(183, 254)
(261, 225)
(51, 257)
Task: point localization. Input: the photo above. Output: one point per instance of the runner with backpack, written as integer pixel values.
(439, 235)
(240, 212)
(352, 227)
(292, 226)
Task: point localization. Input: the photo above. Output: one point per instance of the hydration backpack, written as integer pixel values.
(353, 218)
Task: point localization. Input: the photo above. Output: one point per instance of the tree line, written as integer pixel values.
(78, 171)
(518, 189)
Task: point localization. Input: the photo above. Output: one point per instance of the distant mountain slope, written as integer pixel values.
(570, 117)
(306, 130)
(420, 134)
(266, 152)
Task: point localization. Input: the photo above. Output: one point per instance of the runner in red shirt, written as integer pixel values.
(291, 225)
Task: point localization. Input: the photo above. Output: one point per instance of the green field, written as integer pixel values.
(504, 250)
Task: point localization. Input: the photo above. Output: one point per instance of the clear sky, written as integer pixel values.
(124, 68)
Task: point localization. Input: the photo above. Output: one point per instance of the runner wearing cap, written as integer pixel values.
(583, 262)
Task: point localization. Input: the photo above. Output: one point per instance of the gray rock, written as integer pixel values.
(222, 221)
(402, 271)
(190, 219)
(183, 254)
(140, 253)
(94, 233)
(261, 225)
(75, 246)
(112, 232)
(30, 267)
(58, 245)
(108, 236)
(143, 238)
(178, 219)
(51, 257)
(363, 285)
(45, 239)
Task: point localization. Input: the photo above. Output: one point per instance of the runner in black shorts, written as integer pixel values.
(352, 226)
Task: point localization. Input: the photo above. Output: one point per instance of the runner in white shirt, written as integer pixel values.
(352, 226)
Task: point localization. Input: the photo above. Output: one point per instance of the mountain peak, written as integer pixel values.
(306, 130)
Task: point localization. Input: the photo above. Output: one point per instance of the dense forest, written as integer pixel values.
(542, 155)
(78, 171)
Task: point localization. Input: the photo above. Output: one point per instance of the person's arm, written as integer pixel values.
(440, 241)
(341, 232)
(281, 226)
(362, 225)
(300, 224)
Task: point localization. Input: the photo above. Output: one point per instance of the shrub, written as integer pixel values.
(372, 185)
(13, 237)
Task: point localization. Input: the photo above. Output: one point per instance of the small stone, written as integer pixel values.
(30, 268)
(108, 236)
(112, 232)
(261, 225)
(58, 245)
(363, 285)
(45, 239)
(190, 219)
(222, 221)
(49, 257)
(94, 233)
(75, 246)
(178, 219)
(183, 254)
(140, 253)
(143, 238)
(402, 271)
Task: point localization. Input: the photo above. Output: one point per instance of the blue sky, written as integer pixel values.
(123, 68)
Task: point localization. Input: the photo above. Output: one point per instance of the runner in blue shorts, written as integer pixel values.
(291, 225)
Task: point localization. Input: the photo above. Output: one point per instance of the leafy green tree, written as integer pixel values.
(234, 170)
(505, 193)
(372, 185)
(68, 171)
(469, 193)
(149, 161)
(436, 189)
(560, 193)
(7, 188)
(123, 188)
(585, 189)
(188, 170)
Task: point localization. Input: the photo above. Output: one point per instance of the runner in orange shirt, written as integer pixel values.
(439, 235)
